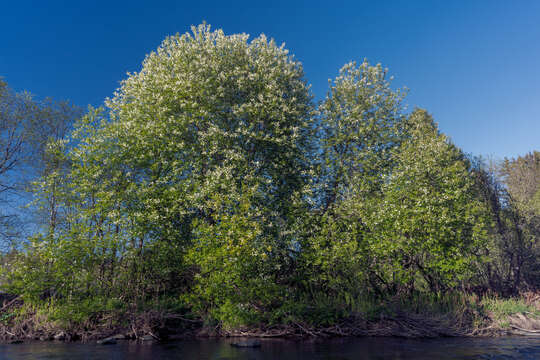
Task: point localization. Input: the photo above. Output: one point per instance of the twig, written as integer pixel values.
(9, 304)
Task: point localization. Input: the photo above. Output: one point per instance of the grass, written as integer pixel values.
(502, 308)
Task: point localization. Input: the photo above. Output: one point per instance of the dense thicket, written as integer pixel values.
(212, 184)
(510, 190)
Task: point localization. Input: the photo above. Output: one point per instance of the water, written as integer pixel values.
(339, 349)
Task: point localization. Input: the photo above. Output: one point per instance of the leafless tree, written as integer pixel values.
(26, 127)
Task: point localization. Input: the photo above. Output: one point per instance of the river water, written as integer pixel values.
(339, 349)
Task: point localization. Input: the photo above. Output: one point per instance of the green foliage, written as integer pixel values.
(84, 310)
(429, 224)
(210, 186)
(6, 317)
(361, 121)
(233, 284)
(502, 308)
(399, 210)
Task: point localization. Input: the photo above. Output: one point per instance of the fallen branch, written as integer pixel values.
(525, 330)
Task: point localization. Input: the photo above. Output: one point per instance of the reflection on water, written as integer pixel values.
(339, 349)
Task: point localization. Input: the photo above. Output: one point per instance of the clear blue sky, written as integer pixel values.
(473, 64)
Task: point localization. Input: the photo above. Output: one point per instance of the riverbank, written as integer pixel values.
(488, 316)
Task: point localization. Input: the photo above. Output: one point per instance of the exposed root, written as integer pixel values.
(401, 325)
(159, 325)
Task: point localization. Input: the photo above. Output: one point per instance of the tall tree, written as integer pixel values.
(214, 128)
(361, 123)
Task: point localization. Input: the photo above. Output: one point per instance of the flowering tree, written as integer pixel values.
(210, 122)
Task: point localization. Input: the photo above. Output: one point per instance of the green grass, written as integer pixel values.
(501, 308)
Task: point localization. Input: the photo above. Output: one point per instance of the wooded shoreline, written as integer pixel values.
(211, 195)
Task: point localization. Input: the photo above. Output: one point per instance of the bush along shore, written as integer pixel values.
(421, 317)
(212, 196)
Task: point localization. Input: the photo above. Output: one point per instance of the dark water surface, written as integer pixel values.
(340, 349)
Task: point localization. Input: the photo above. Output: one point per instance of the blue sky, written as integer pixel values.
(473, 64)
